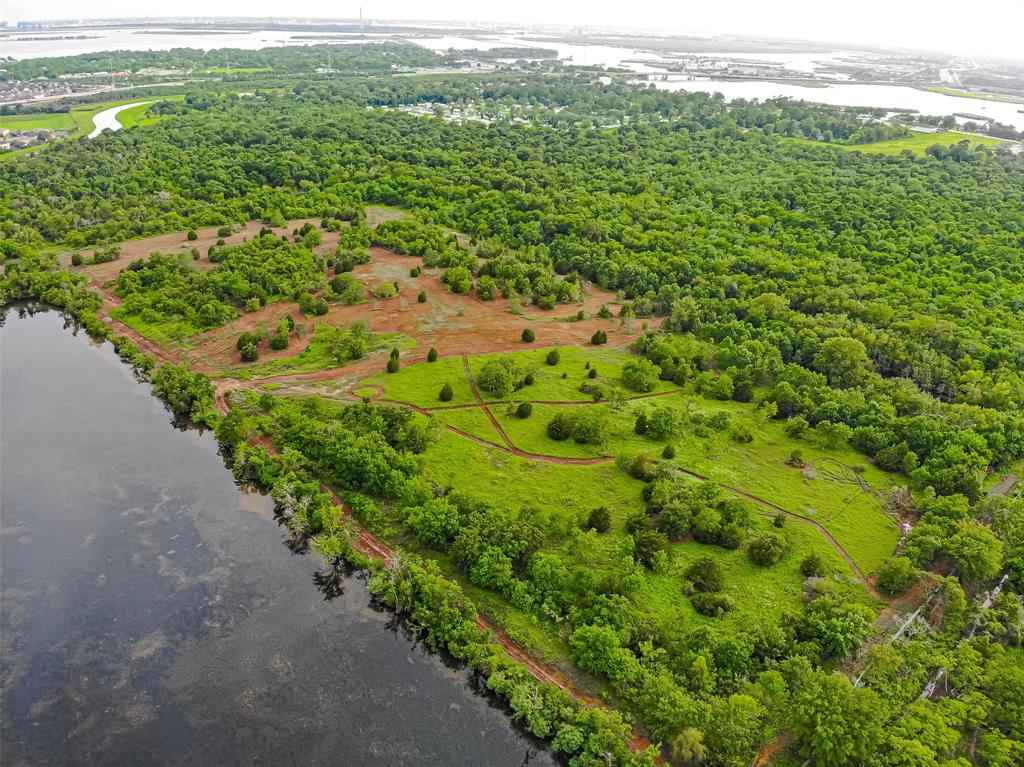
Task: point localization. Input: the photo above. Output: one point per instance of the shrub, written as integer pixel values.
(647, 543)
(249, 353)
(600, 337)
(524, 410)
(741, 433)
(432, 355)
(779, 520)
(446, 394)
(394, 353)
(498, 376)
(641, 423)
(191, 235)
(553, 357)
(592, 373)
(711, 605)
(76, 259)
(668, 452)
(600, 519)
(392, 365)
(249, 337)
(640, 375)
(812, 566)
(528, 379)
(224, 231)
(604, 312)
(560, 427)
(422, 297)
(706, 575)
(767, 549)
(896, 575)
(414, 272)
(528, 336)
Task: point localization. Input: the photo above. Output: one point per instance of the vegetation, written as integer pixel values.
(826, 343)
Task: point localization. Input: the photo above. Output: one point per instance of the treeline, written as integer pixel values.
(365, 58)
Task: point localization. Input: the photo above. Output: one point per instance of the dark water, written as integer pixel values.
(152, 616)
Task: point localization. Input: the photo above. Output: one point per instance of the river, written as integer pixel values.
(151, 613)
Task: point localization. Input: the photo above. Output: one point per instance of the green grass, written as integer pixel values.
(548, 382)
(917, 143)
(471, 420)
(170, 334)
(972, 95)
(316, 356)
(561, 492)
(420, 384)
(54, 121)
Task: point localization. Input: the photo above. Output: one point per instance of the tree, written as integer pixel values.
(811, 566)
(432, 355)
(524, 410)
(706, 574)
(647, 543)
(599, 519)
(249, 353)
(767, 549)
(734, 730)
(833, 723)
(688, 747)
(76, 259)
(528, 336)
(895, 576)
(191, 235)
(838, 627)
(640, 375)
(600, 337)
(844, 361)
(422, 297)
(392, 365)
(553, 357)
(977, 551)
(498, 376)
(446, 394)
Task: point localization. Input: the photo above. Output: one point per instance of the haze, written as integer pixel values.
(993, 29)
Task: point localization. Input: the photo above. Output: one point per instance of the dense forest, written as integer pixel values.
(878, 298)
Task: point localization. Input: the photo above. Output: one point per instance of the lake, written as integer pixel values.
(152, 615)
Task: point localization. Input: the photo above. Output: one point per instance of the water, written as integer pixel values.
(641, 62)
(151, 614)
(107, 119)
(893, 97)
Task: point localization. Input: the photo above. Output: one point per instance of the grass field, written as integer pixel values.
(54, 121)
(917, 143)
(471, 420)
(972, 95)
(421, 383)
(316, 356)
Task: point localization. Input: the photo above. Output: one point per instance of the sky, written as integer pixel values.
(993, 27)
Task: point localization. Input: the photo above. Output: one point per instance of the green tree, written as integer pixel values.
(446, 394)
(843, 360)
(833, 723)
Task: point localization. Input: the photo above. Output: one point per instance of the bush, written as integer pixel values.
(599, 519)
(76, 259)
(896, 575)
(394, 353)
(422, 297)
(191, 235)
(640, 375)
(668, 452)
(249, 353)
(446, 394)
(647, 543)
(711, 605)
(560, 427)
(528, 336)
(779, 520)
(224, 231)
(524, 410)
(432, 355)
(248, 338)
(767, 549)
(414, 272)
(553, 357)
(498, 376)
(600, 337)
(592, 373)
(706, 575)
(528, 379)
(812, 566)
(741, 433)
(392, 365)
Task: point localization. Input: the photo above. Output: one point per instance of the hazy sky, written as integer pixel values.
(995, 27)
